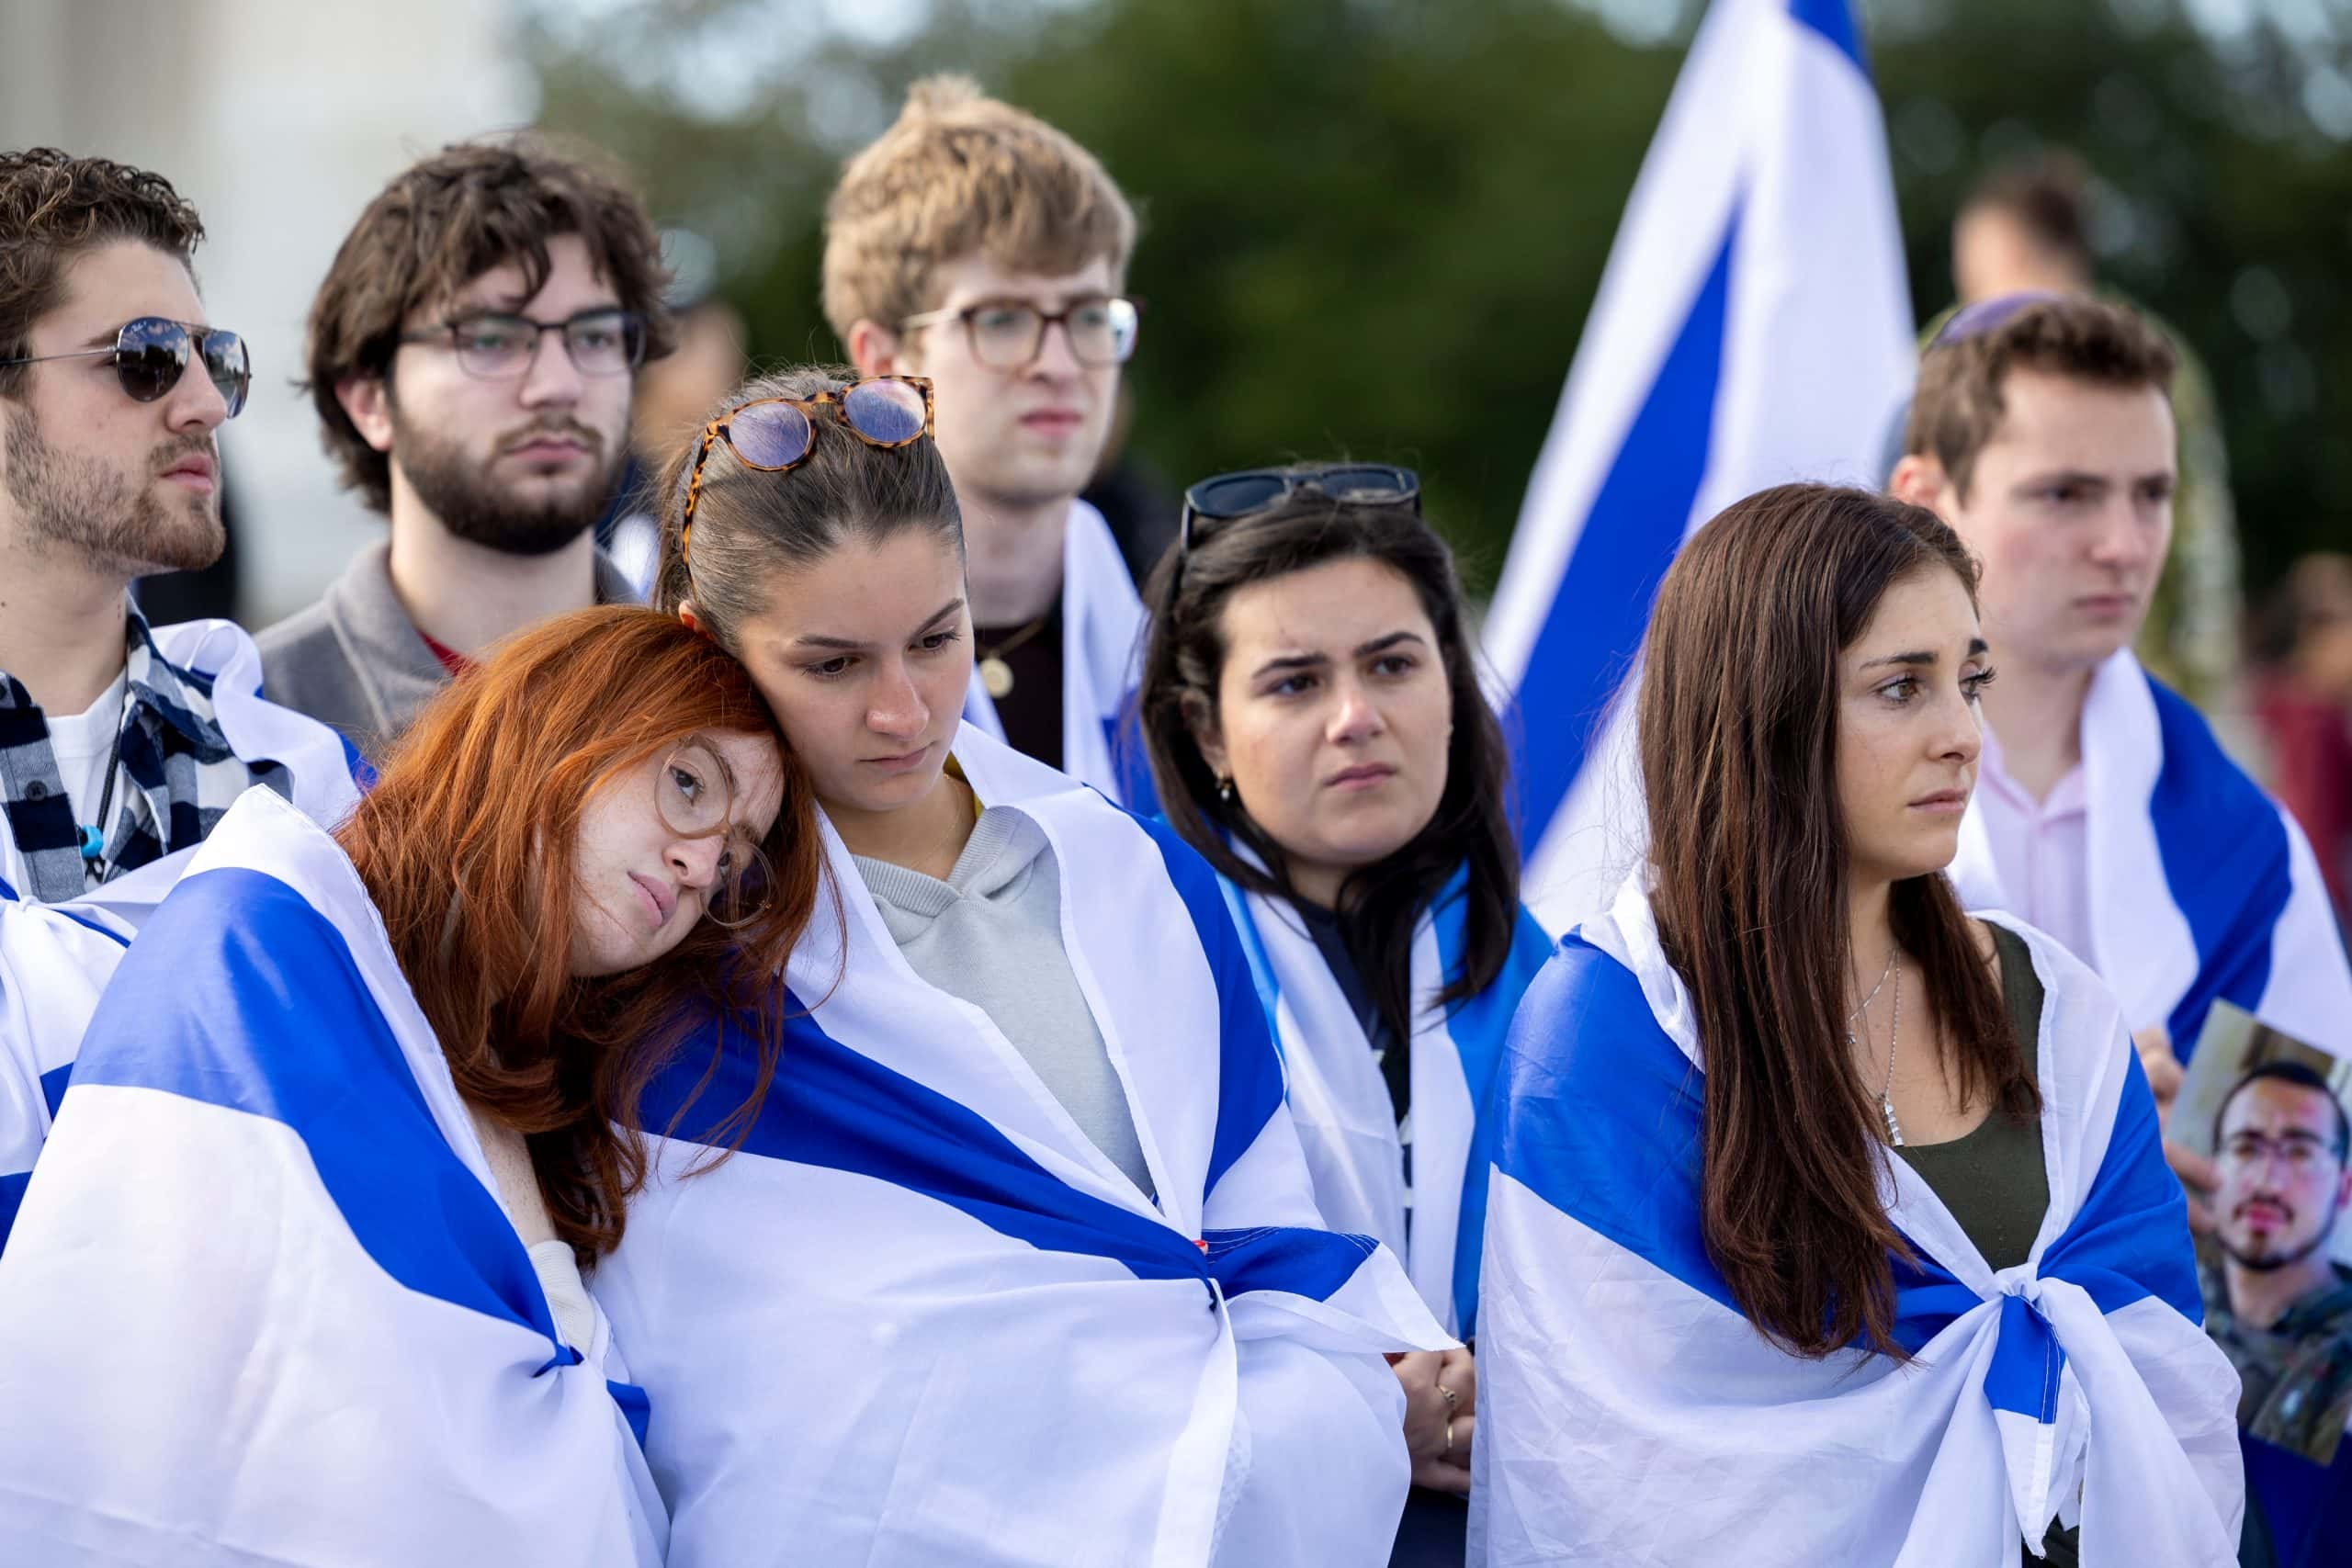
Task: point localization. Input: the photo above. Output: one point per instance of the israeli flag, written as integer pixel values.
(1753, 327)
(55, 959)
(1103, 627)
(2201, 888)
(919, 1318)
(263, 1304)
(1629, 1414)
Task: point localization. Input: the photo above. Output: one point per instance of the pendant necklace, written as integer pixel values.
(1893, 1034)
(996, 675)
(92, 835)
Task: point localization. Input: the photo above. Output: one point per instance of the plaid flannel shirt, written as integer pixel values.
(177, 775)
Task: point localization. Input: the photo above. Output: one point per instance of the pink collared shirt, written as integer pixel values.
(2041, 850)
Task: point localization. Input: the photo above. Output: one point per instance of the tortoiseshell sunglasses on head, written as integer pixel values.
(776, 435)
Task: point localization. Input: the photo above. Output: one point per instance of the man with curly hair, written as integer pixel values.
(471, 354)
(120, 743)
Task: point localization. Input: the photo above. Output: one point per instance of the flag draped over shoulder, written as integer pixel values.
(1630, 1415)
(1340, 1103)
(2201, 888)
(262, 1305)
(1102, 623)
(919, 1318)
(55, 959)
(1753, 327)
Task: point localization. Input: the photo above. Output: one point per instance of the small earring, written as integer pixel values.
(1224, 791)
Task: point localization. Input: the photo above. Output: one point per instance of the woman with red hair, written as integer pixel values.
(297, 1278)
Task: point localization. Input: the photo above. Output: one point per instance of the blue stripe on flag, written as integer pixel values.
(2225, 861)
(637, 1408)
(1833, 19)
(1639, 518)
(1477, 1026)
(1601, 1121)
(1250, 1068)
(12, 1198)
(239, 994)
(837, 1109)
(52, 1087)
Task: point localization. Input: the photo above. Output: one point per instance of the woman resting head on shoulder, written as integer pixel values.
(1029, 1116)
(1316, 731)
(1851, 1160)
(356, 1106)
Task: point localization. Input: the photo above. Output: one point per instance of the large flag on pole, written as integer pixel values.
(1753, 327)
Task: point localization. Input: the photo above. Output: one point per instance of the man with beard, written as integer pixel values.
(2281, 1309)
(471, 355)
(120, 743)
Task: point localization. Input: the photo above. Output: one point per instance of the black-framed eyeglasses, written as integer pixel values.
(776, 435)
(494, 346)
(151, 353)
(1009, 334)
(1238, 494)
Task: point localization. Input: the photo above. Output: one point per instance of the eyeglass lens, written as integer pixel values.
(601, 342)
(1008, 334)
(152, 354)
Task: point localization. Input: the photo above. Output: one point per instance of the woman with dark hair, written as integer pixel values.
(298, 1279)
(1316, 729)
(1831, 1224)
(1018, 1265)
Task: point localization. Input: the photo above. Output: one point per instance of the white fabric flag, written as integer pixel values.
(919, 1318)
(1339, 1100)
(262, 1304)
(1630, 1415)
(1753, 327)
(1103, 625)
(2201, 888)
(55, 959)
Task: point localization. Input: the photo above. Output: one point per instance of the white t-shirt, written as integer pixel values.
(84, 745)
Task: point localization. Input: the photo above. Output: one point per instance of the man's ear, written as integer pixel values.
(367, 402)
(876, 350)
(1919, 481)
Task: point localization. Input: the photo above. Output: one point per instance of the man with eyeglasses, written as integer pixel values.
(978, 246)
(120, 743)
(471, 355)
(2281, 1309)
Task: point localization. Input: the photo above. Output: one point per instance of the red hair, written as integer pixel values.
(468, 845)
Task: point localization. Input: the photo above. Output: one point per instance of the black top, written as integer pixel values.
(1393, 1055)
(1031, 712)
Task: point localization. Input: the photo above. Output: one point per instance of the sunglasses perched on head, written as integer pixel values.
(151, 353)
(776, 435)
(1238, 494)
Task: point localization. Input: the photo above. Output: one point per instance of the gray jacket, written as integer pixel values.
(354, 661)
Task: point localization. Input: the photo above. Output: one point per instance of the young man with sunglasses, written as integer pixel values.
(471, 355)
(2106, 812)
(978, 246)
(120, 743)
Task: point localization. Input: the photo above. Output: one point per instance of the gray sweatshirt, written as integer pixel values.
(991, 934)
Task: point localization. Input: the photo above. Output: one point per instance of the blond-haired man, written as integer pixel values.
(978, 246)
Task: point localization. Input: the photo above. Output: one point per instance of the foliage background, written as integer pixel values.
(1375, 226)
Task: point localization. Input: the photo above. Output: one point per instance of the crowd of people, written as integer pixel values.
(863, 1036)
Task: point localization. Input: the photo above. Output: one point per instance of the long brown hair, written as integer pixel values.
(1738, 723)
(467, 846)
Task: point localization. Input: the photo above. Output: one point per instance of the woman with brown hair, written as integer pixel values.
(299, 1277)
(1830, 1224)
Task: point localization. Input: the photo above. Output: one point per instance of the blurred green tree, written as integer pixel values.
(1375, 226)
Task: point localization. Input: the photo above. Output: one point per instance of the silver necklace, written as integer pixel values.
(1893, 1034)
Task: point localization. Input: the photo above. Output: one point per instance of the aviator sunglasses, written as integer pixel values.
(776, 435)
(1227, 496)
(151, 353)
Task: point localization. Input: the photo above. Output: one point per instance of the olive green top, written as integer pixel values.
(1992, 1179)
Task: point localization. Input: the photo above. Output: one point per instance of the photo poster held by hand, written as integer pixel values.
(2231, 1044)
